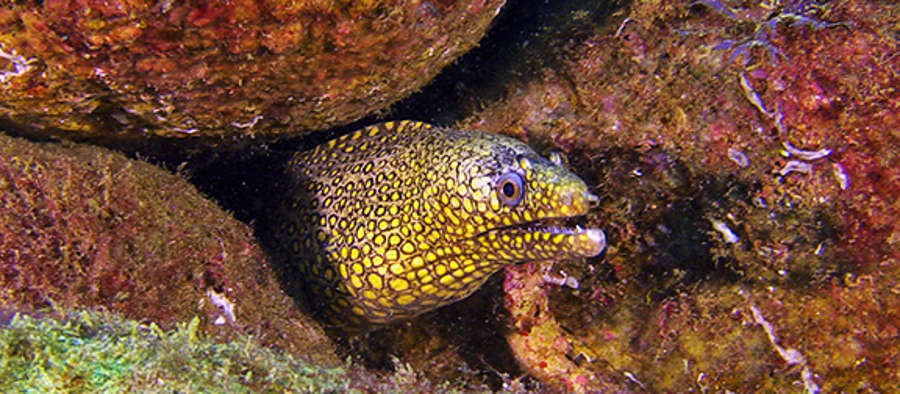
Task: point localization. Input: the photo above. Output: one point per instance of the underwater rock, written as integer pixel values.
(86, 351)
(541, 345)
(119, 71)
(82, 227)
(734, 336)
(727, 160)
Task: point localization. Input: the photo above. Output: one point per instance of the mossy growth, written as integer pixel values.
(87, 351)
(85, 227)
(84, 351)
(193, 73)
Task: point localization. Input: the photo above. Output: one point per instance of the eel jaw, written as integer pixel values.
(581, 242)
(563, 240)
(591, 242)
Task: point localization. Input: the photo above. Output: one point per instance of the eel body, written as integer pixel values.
(400, 218)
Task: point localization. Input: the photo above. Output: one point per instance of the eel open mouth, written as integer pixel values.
(550, 238)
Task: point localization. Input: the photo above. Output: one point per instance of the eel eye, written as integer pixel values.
(511, 188)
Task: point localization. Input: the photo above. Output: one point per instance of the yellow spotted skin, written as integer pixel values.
(399, 218)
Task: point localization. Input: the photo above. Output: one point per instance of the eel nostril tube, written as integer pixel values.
(591, 199)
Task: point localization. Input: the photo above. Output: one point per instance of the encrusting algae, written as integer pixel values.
(401, 218)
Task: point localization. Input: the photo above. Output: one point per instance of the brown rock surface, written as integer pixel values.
(82, 227)
(119, 71)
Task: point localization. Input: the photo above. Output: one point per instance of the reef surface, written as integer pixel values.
(746, 157)
(220, 72)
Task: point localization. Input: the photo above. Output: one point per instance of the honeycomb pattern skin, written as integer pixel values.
(400, 218)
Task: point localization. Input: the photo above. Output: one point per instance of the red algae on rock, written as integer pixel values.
(543, 347)
(244, 68)
(750, 206)
(82, 227)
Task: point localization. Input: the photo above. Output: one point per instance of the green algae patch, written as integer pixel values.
(237, 69)
(83, 227)
(100, 352)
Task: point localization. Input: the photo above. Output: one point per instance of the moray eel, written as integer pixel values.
(400, 218)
